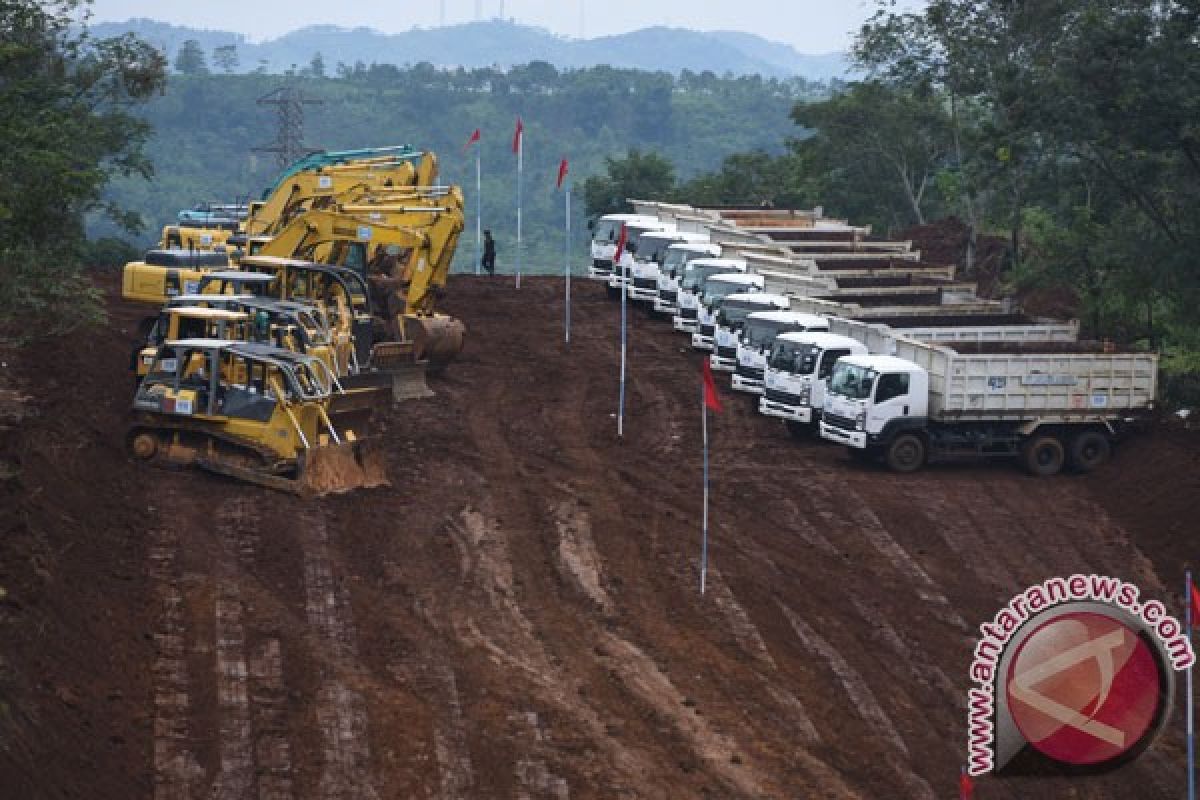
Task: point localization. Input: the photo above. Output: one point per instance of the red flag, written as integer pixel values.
(620, 247)
(1195, 606)
(711, 398)
(517, 134)
(474, 138)
(562, 172)
(966, 786)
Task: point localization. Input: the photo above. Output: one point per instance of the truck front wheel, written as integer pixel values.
(1089, 450)
(906, 453)
(1043, 456)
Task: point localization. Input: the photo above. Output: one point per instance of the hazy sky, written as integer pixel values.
(812, 26)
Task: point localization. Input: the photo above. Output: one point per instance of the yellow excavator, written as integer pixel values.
(405, 253)
(327, 185)
(254, 412)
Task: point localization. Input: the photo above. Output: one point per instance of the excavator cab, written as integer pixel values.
(250, 411)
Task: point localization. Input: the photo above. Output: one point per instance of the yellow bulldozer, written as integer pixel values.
(254, 412)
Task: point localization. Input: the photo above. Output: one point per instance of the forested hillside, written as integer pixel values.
(206, 126)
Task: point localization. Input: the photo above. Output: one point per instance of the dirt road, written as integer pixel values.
(519, 615)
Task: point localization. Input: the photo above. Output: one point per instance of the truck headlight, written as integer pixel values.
(860, 422)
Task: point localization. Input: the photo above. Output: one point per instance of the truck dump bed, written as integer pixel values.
(1068, 381)
(880, 335)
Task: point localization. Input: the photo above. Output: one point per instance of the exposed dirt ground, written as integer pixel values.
(519, 616)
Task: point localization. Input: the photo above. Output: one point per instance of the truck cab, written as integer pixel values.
(604, 241)
(731, 319)
(716, 289)
(622, 270)
(649, 258)
(870, 397)
(758, 337)
(691, 286)
(671, 273)
(797, 368)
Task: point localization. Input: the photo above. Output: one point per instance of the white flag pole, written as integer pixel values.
(567, 270)
(1191, 728)
(520, 170)
(621, 402)
(478, 206)
(704, 524)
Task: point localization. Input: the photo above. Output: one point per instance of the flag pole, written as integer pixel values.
(621, 400)
(567, 269)
(478, 206)
(704, 524)
(520, 170)
(1191, 729)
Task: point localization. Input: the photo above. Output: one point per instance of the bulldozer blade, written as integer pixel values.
(339, 468)
(402, 378)
(436, 339)
(408, 382)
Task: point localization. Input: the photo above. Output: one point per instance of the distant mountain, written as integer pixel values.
(501, 43)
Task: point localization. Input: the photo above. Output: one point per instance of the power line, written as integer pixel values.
(289, 103)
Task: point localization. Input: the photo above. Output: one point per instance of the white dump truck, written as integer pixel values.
(691, 287)
(757, 339)
(716, 289)
(671, 273)
(733, 317)
(785, 383)
(605, 232)
(623, 269)
(1048, 404)
(650, 257)
(794, 382)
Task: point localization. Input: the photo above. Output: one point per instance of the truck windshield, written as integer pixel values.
(674, 260)
(760, 333)
(798, 359)
(734, 312)
(695, 277)
(716, 291)
(607, 230)
(654, 249)
(633, 237)
(852, 381)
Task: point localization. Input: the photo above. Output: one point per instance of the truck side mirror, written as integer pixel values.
(591, 224)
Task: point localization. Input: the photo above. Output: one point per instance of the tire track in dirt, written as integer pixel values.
(236, 751)
(176, 768)
(269, 697)
(341, 709)
(867, 705)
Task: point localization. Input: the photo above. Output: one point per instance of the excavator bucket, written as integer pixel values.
(339, 468)
(398, 363)
(436, 339)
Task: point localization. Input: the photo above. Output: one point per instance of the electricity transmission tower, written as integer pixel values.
(289, 103)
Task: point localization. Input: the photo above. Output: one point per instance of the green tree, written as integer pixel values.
(190, 59)
(316, 67)
(65, 118)
(226, 57)
(645, 176)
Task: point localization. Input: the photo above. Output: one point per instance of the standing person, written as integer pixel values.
(489, 253)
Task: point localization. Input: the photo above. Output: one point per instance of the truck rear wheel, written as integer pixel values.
(1089, 450)
(1043, 456)
(906, 453)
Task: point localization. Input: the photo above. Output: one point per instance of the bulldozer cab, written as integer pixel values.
(256, 284)
(190, 322)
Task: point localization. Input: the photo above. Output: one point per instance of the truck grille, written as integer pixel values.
(753, 373)
(602, 264)
(645, 283)
(707, 330)
(687, 313)
(727, 352)
(838, 421)
(667, 296)
(786, 398)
